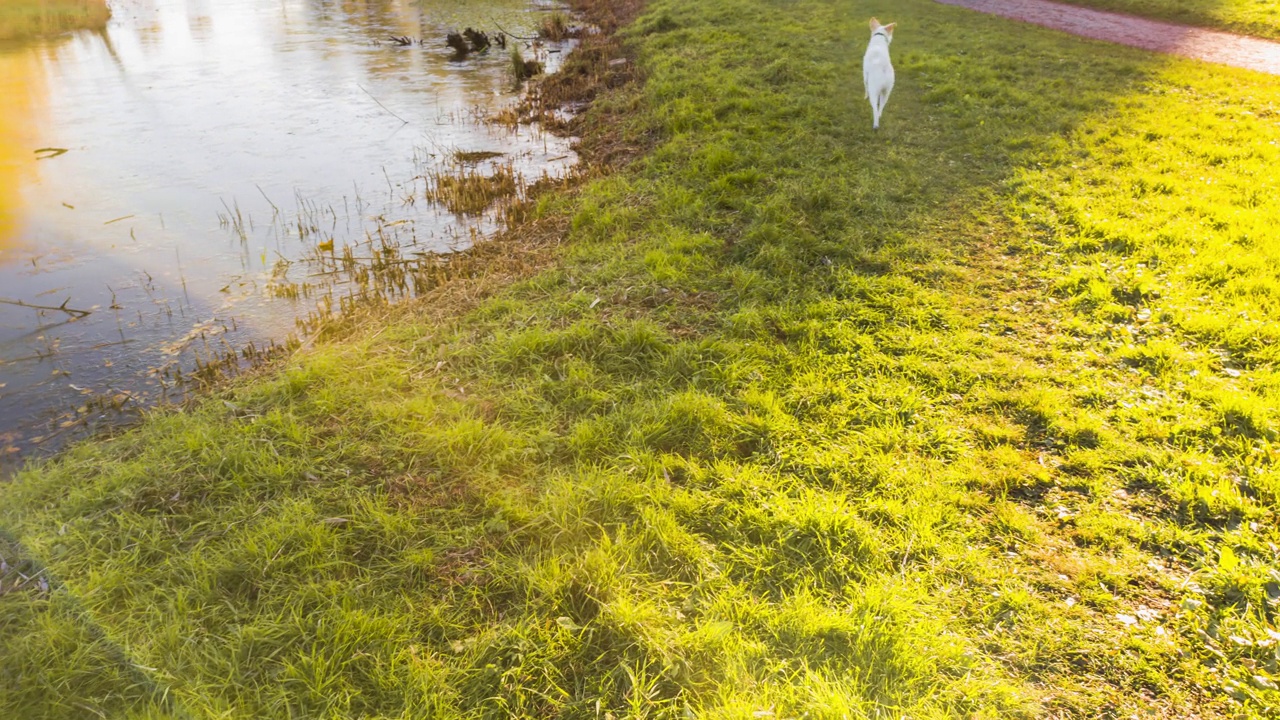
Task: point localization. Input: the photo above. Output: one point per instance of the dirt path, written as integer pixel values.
(1208, 45)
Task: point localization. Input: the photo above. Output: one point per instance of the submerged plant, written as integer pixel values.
(468, 191)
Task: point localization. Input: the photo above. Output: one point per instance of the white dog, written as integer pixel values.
(877, 71)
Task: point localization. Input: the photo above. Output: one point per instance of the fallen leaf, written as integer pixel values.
(568, 624)
(1227, 559)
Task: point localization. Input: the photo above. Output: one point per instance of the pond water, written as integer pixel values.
(162, 176)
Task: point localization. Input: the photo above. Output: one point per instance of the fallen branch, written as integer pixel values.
(63, 307)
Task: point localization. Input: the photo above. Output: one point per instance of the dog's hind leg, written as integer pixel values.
(882, 98)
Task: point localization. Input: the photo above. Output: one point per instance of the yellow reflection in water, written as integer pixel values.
(22, 86)
(36, 18)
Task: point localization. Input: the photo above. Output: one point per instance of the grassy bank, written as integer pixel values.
(1249, 17)
(971, 417)
(39, 18)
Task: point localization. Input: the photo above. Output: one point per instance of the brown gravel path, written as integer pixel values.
(1209, 45)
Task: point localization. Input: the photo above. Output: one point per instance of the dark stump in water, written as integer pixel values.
(479, 40)
(459, 44)
(471, 40)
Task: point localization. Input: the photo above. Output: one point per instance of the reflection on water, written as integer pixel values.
(21, 113)
(209, 145)
(22, 87)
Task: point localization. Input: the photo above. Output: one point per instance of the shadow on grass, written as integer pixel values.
(54, 663)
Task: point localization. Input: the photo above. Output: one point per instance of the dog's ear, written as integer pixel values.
(875, 24)
(889, 28)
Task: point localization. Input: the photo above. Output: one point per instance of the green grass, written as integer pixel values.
(1250, 17)
(971, 417)
(55, 663)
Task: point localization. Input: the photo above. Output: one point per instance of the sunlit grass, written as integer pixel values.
(37, 18)
(1251, 17)
(971, 417)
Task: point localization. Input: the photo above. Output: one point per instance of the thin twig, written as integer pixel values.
(384, 107)
(63, 307)
(510, 34)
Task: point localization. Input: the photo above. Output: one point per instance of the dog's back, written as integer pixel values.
(877, 69)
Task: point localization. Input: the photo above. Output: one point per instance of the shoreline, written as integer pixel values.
(341, 302)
